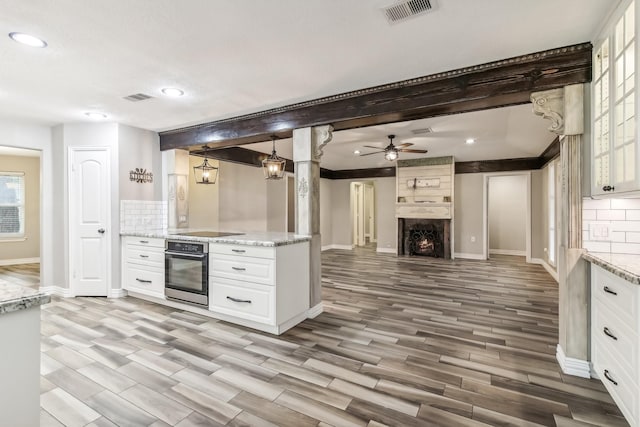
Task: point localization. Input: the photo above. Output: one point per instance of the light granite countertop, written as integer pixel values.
(622, 265)
(15, 297)
(248, 239)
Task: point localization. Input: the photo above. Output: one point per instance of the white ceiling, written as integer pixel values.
(242, 56)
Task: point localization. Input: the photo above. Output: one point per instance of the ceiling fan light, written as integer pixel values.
(391, 155)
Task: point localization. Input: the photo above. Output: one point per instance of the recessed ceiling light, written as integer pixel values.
(172, 91)
(95, 116)
(27, 39)
(356, 152)
(470, 141)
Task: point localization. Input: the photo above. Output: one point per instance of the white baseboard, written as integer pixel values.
(464, 255)
(117, 293)
(57, 290)
(18, 261)
(507, 252)
(386, 250)
(571, 366)
(314, 311)
(342, 247)
(546, 266)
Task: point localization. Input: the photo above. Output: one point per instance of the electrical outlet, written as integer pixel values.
(473, 239)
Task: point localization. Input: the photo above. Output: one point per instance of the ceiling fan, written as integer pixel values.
(391, 151)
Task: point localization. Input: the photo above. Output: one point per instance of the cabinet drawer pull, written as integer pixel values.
(609, 291)
(239, 268)
(608, 188)
(248, 301)
(143, 281)
(608, 333)
(607, 376)
(144, 241)
(238, 251)
(144, 256)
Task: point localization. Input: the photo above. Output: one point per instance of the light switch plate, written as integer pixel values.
(599, 231)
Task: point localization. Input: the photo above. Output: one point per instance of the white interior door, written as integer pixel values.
(89, 204)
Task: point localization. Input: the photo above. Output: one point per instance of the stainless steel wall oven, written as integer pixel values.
(187, 271)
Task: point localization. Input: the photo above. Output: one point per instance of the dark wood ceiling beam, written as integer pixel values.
(496, 84)
(501, 165)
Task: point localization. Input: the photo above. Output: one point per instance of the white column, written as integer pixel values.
(564, 107)
(307, 151)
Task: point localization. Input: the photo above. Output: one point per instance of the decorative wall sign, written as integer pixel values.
(423, 183)
(141, 176)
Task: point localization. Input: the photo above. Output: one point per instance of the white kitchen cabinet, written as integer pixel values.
(265, 288)
(615, 157)
(143, 265)
(615, 343)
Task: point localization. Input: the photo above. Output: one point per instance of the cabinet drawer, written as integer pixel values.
(617, 294)
(257, 270)
(242, 250)
(241, 299)
(141, 278)
(151, 242)
(624, 347)
(136, 254)
(625, 392)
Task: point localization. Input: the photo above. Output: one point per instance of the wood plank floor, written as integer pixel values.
(402, 342)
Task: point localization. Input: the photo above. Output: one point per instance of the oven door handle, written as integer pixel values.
(198, 256)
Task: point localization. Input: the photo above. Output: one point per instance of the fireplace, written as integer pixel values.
(424, 237)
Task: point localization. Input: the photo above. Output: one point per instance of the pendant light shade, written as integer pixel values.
(205, 173)
(273, 166)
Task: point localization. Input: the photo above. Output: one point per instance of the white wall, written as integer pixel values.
(507, 214)
(326, 209)
(139, 148)
(277, 205)
(40, 138)
(243, 198)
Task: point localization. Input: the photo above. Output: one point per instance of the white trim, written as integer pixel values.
(342, 247)
(507, 252)
(57, 290)
(314, 311)
(386, 250)
(571, 366)
(485, 211)
(17, 261)
(547, 267)
(463, 255)
(117, 293)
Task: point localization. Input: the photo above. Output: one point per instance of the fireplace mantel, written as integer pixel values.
(433, 210)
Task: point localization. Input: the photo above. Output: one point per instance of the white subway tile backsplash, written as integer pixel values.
(610, 215)
(596, 204)
(142, 215)
(623, 217)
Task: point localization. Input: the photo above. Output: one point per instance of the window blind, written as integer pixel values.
(11, 204)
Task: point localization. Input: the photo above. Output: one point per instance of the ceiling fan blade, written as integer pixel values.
(371, 146)
(406, 144)
(408, 150)
(368, 154)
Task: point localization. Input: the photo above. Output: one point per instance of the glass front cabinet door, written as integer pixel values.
(614, 150)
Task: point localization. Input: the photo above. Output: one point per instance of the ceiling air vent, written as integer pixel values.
(137, 97)
(421, 131)
(407, 9)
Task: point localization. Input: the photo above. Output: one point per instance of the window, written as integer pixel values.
(11, 204)
(551, 207)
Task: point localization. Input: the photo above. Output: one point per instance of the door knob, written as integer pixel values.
(101, 230)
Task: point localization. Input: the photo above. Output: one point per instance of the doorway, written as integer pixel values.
(363, 213)
(507, 214)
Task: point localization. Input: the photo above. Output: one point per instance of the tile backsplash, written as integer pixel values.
(611, 225)
(143, 215)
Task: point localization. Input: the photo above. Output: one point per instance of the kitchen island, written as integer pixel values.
(20, 355)
(258, 280)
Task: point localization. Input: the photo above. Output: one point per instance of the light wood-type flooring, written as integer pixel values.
(401, 342)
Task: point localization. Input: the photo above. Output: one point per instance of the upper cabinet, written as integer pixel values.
(615, 162)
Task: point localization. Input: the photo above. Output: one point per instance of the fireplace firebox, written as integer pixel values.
(424, 237)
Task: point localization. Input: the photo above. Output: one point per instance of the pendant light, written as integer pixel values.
(205, 173)
(273, 166)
